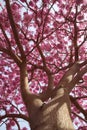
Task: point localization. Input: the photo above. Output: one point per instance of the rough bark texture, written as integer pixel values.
(55, 115)
(52, 116)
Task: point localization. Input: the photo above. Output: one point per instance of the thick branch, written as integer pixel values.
(50, 82)
(14, 29)
(69, 79)
(76, 79)
(69, 75)
(48, 93)
(32, 101)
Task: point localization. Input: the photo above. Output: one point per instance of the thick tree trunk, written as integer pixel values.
(55, 115)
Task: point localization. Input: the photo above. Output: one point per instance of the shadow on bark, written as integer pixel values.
(55, 115)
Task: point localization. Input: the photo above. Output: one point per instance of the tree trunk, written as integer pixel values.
(55, 115)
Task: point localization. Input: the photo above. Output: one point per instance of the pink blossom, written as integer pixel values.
(78, 2)
(43, 38)
(15, 6)
(23, 0)
(24, 128)
(80, 17)
(31, 3)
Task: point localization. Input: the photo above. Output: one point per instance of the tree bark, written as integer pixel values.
(54, 115)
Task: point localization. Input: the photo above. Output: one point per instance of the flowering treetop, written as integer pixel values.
(53, 34)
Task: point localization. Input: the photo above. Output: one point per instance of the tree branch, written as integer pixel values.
(76, 79)
(69, 75)
(79, 117)
(17, 124)
(12, 55)
(75, 34)
(48, 93)
(7, 40)
(14, 116)
(78, 107)
(14, 29)
(78, 98)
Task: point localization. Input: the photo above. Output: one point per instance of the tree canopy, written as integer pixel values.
(52, 36)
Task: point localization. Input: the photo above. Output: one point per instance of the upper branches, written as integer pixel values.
(14, 29)
(12, 55)
(7, 40)
(73, 75)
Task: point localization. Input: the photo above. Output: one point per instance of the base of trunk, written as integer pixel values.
(55, 115)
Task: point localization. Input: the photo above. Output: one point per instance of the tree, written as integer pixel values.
(43, 64)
